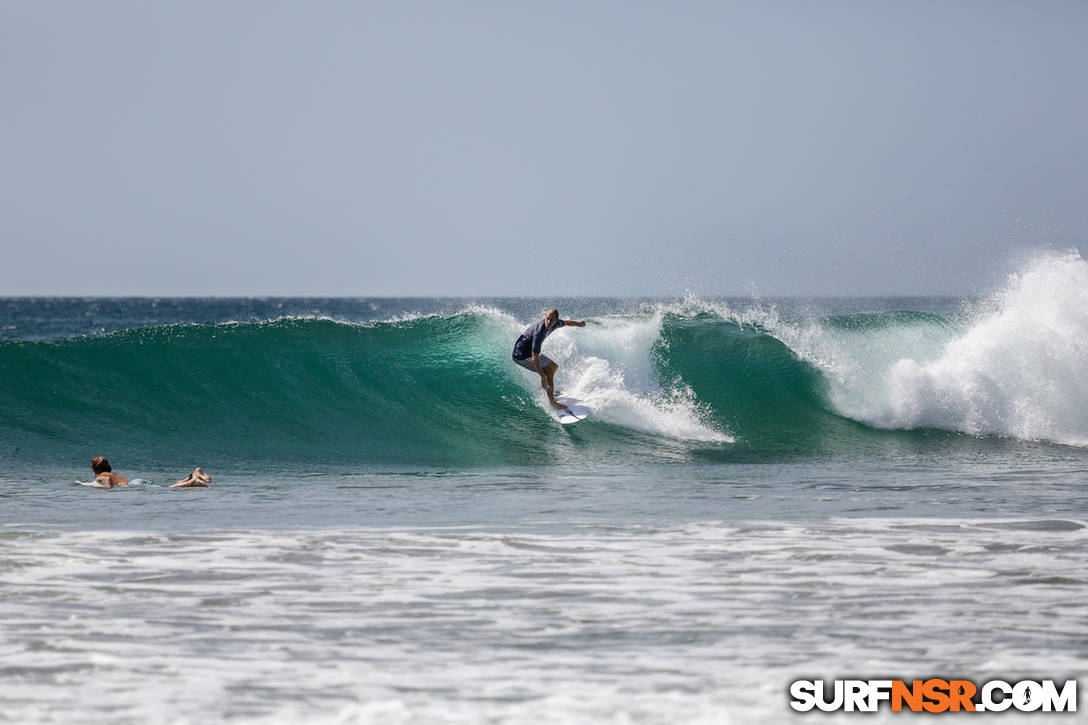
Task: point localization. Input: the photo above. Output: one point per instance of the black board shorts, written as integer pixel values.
(527, 362)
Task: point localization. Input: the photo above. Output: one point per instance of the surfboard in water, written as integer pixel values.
(135, 482)
(574, 411)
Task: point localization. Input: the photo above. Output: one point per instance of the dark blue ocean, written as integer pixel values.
(398, 529)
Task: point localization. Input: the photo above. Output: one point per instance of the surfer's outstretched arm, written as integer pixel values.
(574, 323)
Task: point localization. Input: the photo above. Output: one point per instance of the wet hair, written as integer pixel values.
(100, 465)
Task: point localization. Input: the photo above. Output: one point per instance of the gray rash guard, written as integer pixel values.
(533, 337)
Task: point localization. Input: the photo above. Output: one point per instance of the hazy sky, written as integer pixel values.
(547, 148)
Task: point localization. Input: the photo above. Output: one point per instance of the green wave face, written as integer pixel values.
(663, 384)
(752, 382)
(427, 391)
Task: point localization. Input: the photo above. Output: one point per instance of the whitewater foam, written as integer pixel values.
(1013, 365)
(1018, 371)
(701, 621)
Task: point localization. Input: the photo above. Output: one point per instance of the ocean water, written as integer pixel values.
(398, 530)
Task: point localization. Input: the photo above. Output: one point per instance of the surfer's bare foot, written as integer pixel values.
(557, 405)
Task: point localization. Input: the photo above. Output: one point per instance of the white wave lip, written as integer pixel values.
(1017, 368)
(1019, 371)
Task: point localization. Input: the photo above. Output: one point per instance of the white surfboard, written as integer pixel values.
(93, 484)
(574, 411)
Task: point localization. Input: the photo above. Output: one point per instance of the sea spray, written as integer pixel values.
(1020, 370)
(1012, 364)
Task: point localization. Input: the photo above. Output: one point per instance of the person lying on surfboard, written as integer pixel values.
(105, 476)
(527, 351)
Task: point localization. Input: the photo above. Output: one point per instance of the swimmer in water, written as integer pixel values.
(196, 479)
(105, 476)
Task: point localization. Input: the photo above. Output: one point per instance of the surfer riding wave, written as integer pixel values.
(527, 351)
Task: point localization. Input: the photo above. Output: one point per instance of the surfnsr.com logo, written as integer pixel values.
(933, 695)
